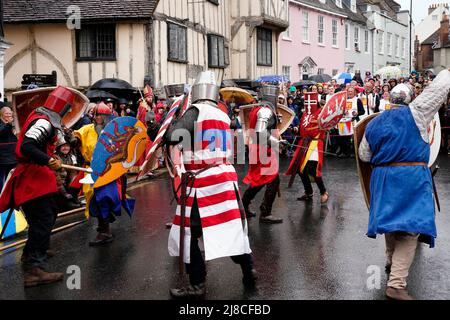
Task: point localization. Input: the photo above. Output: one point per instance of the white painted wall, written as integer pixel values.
(431, 23)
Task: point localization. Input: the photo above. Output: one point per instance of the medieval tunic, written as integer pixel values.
(311, 145)
(30, 180)
(261, 171)
(214, 189)
(401, 196)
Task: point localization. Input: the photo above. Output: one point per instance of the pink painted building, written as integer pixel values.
(315, 40)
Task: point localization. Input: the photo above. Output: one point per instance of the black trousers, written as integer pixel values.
(345, 144)
(196, 269)
(269, 196)
(311, 170)
(40, 214)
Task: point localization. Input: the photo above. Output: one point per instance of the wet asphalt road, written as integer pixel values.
(318, 252)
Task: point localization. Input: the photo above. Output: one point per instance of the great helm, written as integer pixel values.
(269, 93)
(60, 100)
(401, 94)
(205, 87)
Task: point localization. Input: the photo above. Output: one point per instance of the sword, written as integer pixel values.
(433, 173)
(297, 164)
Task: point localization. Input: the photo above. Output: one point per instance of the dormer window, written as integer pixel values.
(353, 5)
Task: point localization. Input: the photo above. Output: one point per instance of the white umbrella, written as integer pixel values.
(390, 72)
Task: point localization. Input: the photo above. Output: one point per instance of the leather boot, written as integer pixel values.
(324, 198)
(190, 292)
(305, 197)
(101, 239)
(398, 294)
(37, 276)
(270, 219)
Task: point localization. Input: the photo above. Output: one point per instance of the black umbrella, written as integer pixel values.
(118, 88)
(304, 83)
(320, 78)
(112, 84)
(100, 95)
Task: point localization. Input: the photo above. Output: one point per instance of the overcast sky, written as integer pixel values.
(420, 7)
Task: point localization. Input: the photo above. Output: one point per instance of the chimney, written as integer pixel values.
(443, 33)
(431, 8)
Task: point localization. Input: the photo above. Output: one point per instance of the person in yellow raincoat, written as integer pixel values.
(87, 137)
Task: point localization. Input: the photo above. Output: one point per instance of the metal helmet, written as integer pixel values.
(269, 93)
(401, 94)
(102, 108)
(205, 88)
(60, 100)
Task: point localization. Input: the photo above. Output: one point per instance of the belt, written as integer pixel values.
(403, 164)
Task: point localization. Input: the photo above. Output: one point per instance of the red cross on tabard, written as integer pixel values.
(311, 100)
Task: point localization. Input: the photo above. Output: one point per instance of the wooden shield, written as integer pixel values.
(16, 224)
(364, 168)
(285, 115)
(434, 135)
(120, 145)
(24, 102)
(333, 111)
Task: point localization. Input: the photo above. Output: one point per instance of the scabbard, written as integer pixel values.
(433, 173)
(183, 200)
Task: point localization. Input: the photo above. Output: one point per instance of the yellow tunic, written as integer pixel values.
(88, 137)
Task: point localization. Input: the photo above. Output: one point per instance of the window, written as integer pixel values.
(305, 71)
(397, 46)
(287, 33)
(305, 26)
(403, 47)
(389, 44)
(96, 42)
(366, 41)
(177, 43)
(216, 51)
(320, 71)
(339, 3)
(214, 1)
(286, 70)
(380, 42)
(357, 39)
(347, 40)
(335, 32)
(353, 5)
(264, 47)
(320, 29)
(334, 72)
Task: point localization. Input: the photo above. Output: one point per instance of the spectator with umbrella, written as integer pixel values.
(124, 109)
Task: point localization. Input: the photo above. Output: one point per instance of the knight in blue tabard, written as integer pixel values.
(401, 202)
